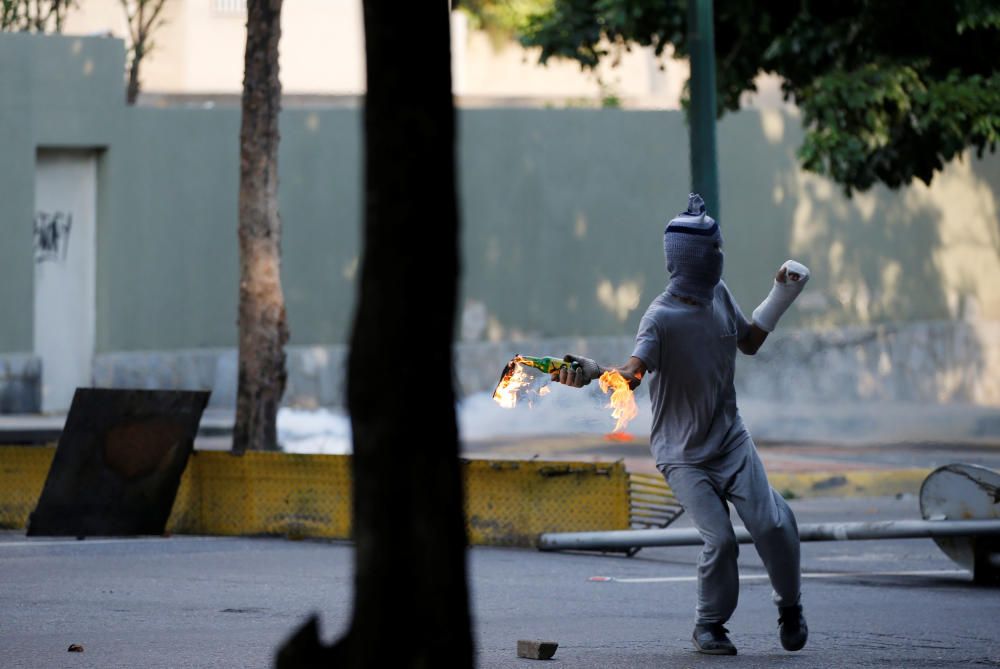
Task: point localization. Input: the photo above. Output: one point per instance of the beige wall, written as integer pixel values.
(484, 68)
(161, 68)
(199, 50)
(322, 50)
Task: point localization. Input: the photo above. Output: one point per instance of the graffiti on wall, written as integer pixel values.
(51, 234)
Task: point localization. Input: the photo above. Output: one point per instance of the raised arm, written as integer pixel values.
(753, 340)
(788, 283)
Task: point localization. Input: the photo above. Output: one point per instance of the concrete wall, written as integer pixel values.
(56, 96)
(171, 238)
(199, 47)
(167, 202)
(563, 212)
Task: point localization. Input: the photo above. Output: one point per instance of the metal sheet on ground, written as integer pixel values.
(118, 463)
(962, 492)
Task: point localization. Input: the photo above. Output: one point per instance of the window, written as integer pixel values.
(229, 7)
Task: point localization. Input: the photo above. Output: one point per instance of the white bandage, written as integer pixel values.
(781, 296)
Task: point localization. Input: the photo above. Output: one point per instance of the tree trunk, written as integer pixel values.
(132, 90)
(411, 604)
(263, 330)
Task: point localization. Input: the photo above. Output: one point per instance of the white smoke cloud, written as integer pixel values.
(563, 410)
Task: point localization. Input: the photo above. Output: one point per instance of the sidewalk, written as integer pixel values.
(46, 428)
(795, 469)
(786, 457)
(880, 448)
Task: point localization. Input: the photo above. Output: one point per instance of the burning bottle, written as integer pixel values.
(515, 378)
(516, 381)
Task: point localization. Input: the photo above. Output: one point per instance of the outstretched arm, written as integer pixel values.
(633, 371)
(788, 283)
(586, 370)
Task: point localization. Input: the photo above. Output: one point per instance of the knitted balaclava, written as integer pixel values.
(692, 246)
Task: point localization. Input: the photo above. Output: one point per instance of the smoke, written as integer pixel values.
(563, 410)
(318, 431)
(574, 411)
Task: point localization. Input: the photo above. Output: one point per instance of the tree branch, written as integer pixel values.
(157, 8)
(130, 22)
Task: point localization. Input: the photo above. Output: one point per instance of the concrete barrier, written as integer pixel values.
(508, 502)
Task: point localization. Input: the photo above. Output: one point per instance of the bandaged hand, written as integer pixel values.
(580, 374)
(789, 282)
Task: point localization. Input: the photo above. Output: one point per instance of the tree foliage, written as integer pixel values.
(501, 17)
(34, 15)
(889, 90)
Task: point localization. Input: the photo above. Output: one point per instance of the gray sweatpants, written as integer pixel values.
(703, 489)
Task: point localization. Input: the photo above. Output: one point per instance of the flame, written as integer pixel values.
(517, 381)
(622, 399)
(513, 381)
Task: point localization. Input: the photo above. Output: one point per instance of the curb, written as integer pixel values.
(849, 483)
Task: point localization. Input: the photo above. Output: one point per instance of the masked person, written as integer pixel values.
(687, 343)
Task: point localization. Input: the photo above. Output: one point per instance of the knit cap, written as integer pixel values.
(692, 247)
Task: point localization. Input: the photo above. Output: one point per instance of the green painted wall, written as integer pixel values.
(168, 243)
(563, 212)
(170, 246)
(54, 92)
(562, 208)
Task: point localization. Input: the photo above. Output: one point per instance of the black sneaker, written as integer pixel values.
(711, 639)
(792, 627)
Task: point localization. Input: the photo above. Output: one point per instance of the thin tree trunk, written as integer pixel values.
(141, 24)
(263, 330)
(411, 604)
(132, 91)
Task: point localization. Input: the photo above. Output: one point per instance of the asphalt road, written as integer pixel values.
(211, 602)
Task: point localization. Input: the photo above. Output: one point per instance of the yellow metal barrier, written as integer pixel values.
(508, 502)
(264, 493)
(22, 476)
(511, 502)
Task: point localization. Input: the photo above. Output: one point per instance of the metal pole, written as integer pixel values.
(701, 116)
(889, 529)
